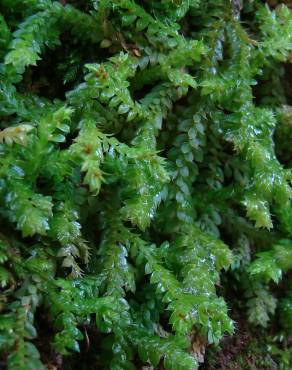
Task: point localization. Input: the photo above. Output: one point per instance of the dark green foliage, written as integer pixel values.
(144, 148)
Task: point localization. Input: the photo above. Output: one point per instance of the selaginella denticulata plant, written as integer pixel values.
(145, 187)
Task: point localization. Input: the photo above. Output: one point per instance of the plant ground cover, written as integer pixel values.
(145, 184)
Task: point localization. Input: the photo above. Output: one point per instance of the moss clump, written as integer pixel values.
(137, 161)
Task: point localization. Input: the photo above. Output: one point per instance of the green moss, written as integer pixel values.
(137, 161)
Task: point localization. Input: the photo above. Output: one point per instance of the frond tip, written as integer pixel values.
(16, 134)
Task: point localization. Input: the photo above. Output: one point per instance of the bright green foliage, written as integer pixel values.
(271, 264)
(144, 148)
